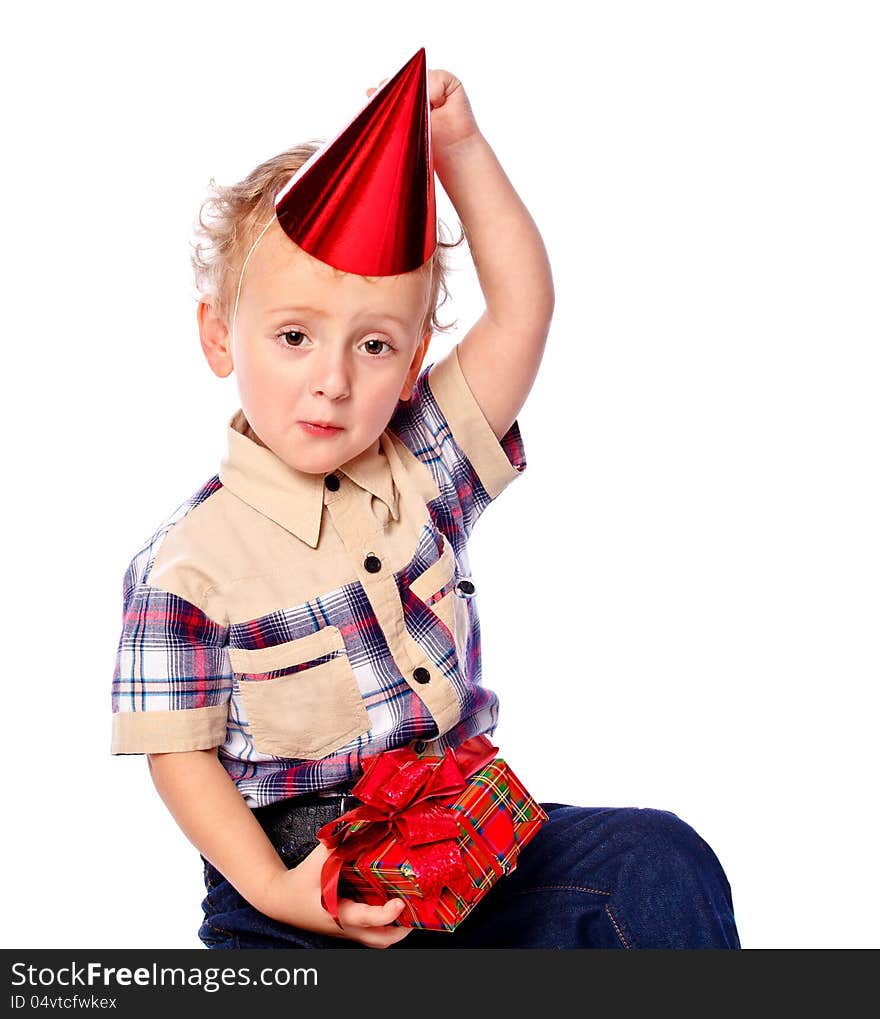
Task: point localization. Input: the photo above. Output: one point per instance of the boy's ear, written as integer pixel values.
(416, 366)
(215, 339)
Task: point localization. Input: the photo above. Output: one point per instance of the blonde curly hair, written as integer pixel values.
(231, 218)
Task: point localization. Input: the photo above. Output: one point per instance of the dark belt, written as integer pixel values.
(293, 822)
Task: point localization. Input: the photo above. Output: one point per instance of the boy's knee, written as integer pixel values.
(662, 824)
(655, 832)
(664, 836)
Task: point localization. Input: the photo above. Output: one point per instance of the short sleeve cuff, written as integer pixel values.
(168, 732)
(496, 462)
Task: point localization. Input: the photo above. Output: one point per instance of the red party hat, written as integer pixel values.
(364, 202)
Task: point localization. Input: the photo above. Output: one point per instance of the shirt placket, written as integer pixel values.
(364, 540)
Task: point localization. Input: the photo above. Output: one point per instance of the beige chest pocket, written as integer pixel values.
(301, 697)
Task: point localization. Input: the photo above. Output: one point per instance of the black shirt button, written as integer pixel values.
(466, 587)
(332, 482)
(421, 675)
(372, 564)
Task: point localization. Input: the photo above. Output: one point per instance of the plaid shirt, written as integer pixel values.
(301, 622)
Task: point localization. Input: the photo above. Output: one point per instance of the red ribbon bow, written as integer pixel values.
(400, 792)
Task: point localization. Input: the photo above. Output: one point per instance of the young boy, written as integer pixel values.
(311, 605)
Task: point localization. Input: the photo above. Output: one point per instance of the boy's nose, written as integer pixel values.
(330, 379)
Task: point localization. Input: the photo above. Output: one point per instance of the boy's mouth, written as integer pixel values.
(321, 428)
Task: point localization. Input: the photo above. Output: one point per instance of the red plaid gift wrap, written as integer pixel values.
(437, 832)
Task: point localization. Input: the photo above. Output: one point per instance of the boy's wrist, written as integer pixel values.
(464, 149)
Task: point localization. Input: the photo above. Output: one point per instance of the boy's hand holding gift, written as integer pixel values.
(294, 897)
(437, 832)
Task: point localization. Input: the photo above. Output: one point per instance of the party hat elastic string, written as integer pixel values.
(247, 258)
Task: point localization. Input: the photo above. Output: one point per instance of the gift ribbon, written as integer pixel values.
(402, 795)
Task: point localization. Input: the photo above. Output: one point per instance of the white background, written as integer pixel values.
(679, 597)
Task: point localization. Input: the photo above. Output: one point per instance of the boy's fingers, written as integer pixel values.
(359, 914)
(381, 916)
(385, 936)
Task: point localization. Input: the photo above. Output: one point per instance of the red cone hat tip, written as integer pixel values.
(365, 202)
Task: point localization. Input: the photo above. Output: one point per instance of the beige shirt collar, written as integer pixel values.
(290, 497)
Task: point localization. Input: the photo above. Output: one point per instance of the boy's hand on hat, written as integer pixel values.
(452, 119)
(294, 897)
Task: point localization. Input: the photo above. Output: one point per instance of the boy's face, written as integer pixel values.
(314, 345)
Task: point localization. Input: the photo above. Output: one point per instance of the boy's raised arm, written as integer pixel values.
(501, 353)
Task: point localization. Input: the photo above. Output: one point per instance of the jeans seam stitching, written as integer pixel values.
(226, 935)
(616, 926)
(561, 888)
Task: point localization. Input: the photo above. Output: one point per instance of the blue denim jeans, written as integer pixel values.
(593, 877)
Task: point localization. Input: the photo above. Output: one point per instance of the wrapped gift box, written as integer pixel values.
(438, 850)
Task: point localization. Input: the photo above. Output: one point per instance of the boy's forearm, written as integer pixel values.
(508, 252)
(212, 814)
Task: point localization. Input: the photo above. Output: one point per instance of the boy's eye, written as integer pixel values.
(292, 338)
(374, 346)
